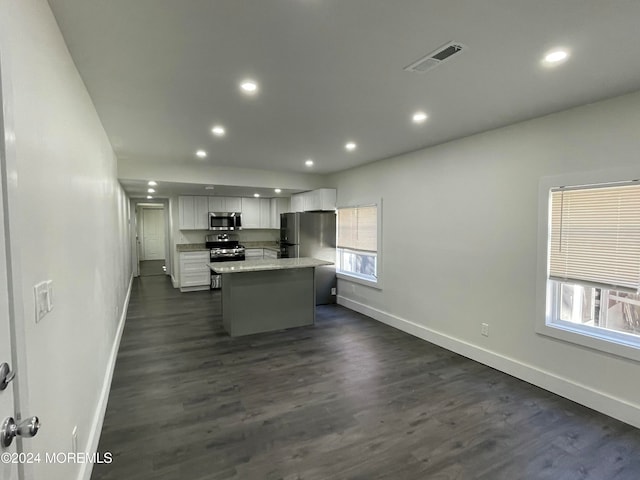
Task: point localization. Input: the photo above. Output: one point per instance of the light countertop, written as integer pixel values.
(191, 247)
(266, 264)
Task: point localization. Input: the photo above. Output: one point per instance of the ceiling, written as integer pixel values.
(139, 188)
(161, 73)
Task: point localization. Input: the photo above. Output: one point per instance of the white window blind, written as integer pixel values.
(595, 236)
(357, 228)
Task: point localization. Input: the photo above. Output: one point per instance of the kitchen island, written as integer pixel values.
(268, 294)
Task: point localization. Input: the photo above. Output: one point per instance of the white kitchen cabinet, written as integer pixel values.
(250, 213)
(194, 272)
(278, 206)
(217, 204)
(233, 204)
(225, 204)
(201, 213)
(193, 212)
(320, 199)
(186, 213)
(265, 213)
(253, 253)
(297, 202)
(314, 200)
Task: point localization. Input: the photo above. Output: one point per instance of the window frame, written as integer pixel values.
(582, 335)
(377, 284)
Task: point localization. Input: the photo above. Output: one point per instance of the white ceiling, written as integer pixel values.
(162, 72)
(139, 188)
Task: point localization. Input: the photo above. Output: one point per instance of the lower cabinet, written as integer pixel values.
(194, 272)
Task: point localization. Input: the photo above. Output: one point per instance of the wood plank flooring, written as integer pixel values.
(149, 268)
(347, 399)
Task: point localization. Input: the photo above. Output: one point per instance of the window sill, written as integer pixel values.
(590, 338)
(362, 281)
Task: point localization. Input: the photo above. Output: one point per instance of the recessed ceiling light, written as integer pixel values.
(249, 87)
(151, 190)
(308, 163)
(149, 197)
(201, 154)
(419, 117)
(351, 146)
(152, 183)
(277, 190)
(218, 131)
(555, 57)
(210, 187)
(256, 195)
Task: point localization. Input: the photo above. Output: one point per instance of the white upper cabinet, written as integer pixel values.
(265, 213)
(217, 204)
(186, 213)
(233, 204)
(250, 213)
(320, 199)
(297, 202)
(256, 212)
(193, 213)
(201, 213)
(225, 204)
(278, 206)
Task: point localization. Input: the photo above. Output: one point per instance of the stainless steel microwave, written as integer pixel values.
(225, 221)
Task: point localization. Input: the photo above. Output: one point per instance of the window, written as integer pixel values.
(593, 264)
(357, 252)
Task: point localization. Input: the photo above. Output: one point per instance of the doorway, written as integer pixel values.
(151, 239)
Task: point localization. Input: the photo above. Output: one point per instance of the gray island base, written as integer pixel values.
(265, 295)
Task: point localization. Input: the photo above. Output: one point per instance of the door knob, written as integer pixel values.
(6, 375)
(10, 429)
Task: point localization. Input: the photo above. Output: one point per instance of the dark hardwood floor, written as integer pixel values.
(150, 268)
(349, 398)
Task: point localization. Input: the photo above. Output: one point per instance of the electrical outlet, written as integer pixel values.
(333, 291)
(74, 440)
(484, 329)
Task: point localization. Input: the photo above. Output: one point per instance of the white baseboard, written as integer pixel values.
(582, 394)
(101, 408)
(174, 282)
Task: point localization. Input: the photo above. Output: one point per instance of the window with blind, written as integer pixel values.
(357, 246)
(593, 270)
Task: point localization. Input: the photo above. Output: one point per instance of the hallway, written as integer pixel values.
(350, 398)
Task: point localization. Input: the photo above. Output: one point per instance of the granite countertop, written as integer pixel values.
(191, 247)
(266, 264)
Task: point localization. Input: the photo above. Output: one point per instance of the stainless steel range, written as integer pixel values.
(223, 249)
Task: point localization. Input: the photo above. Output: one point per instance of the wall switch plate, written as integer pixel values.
(41, 294)
(333, 291)
(484, 329)
(49, 295)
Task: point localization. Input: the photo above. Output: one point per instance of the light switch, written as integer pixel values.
(49, 295)
(41, 293)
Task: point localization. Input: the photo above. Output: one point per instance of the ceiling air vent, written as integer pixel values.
(436, 57)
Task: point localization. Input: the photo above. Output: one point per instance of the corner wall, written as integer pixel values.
(72, 228)
(459, 246)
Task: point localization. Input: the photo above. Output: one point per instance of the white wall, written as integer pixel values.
(73, 229)
(459, 245)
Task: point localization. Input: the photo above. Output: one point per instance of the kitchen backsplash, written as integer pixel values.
(253, 235)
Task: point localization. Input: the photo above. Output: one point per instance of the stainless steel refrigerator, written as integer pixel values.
(312, 234)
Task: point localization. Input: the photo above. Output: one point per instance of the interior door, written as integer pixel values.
(8, 469)
(153, 233)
